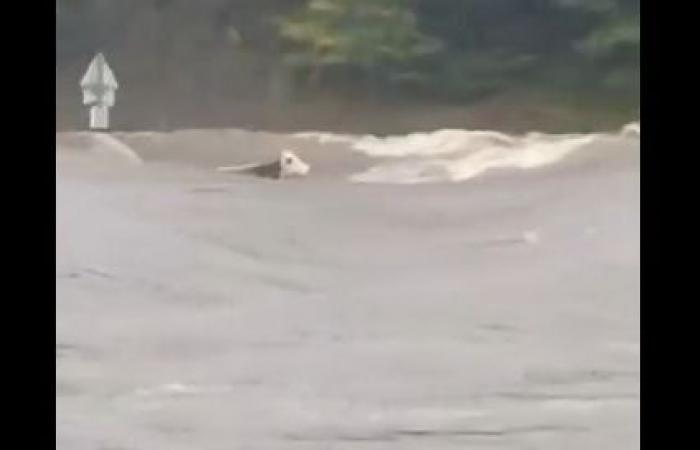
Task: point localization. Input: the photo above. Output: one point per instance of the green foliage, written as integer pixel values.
(596, 6)
(362, 33)
(466, 77)
(616, 36)
(214, 53)
(614, 29)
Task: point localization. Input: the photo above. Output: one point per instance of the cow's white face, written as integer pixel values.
(292, 165)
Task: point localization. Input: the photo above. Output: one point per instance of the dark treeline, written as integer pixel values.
(316, 63)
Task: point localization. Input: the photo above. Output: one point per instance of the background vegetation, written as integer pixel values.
(356, 65)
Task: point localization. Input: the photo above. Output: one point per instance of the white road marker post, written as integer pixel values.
(99, 86)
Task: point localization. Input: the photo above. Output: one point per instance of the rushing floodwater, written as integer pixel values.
(403, 296)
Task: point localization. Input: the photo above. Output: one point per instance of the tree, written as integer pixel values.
(366, 34)
(612, 43)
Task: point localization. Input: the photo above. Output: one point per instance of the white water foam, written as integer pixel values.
(113, 145)
(632, 130)
(448, 155)
(180, 389)
(441, 142)
(452, 155)
(527, 154)
(102, 144)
